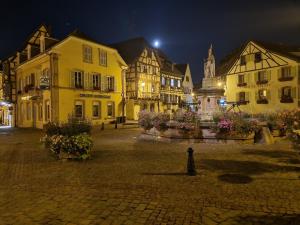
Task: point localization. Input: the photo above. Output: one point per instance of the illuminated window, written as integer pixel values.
(96, 109)
(79, 109)
(172, 83)
(103, 57)
(179, 83)
(262, 94)
(163, 81)
(87, 54)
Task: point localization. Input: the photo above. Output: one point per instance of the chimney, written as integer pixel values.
(42, 43)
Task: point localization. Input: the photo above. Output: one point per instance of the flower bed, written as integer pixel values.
(70, 140)
(235, 126)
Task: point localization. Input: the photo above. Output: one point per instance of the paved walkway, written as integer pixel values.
(134, 182)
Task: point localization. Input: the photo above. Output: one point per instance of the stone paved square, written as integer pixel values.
(129, 181)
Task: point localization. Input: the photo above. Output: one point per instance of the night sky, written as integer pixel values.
(184, 28)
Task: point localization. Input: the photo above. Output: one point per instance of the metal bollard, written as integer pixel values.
(116, 124)
(102, 126)
(191, 171)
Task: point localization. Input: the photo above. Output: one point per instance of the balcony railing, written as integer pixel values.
(259, 82)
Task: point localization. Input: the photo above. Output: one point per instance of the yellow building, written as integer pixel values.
(76, 76)
(263, 77)
(142, 76)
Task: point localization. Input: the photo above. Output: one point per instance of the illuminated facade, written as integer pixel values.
(76, 76)
(264, 77)
(171, 91)
(142, 76)
(187, 86)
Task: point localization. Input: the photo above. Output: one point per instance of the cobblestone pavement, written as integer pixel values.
(129, 181)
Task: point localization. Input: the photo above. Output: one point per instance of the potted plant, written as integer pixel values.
(70, 140)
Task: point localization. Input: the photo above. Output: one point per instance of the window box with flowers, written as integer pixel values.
(242, 84)
(262, 101)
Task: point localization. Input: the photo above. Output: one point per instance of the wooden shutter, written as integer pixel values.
(269, 72)
(294, 92)
(72, 79)
(248, 78)
(256, 95)
(247, 96)
(279, 93)
(114, 84)
(256, 76)
(269, 95)
(86, 80)
(279, 73)
(293, 71)
(237, 97)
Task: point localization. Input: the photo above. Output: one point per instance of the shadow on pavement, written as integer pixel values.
(235, 178)
(243, 167)
(269, 220)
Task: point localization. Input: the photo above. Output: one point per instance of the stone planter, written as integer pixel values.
(66, 156)
(235, 137)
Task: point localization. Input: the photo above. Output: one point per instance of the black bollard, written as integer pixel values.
(102, 126)
(191, 171)
(116, 124)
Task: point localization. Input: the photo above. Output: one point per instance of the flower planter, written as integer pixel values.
(235, 136)
(66, 156)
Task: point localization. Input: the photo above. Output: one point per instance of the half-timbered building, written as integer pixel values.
(263, 77)
(142, 76)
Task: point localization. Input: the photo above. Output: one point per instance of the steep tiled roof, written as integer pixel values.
(182, 67)
(167, 65)
(131, 49)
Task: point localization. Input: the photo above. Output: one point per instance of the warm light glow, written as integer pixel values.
(219, 84)
(193, 94)
(143, 84)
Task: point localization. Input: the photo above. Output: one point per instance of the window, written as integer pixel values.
(257, 57)
(187, 78)
(102, 57)
(96, 109)
(47, 110)
(242, 97)
(262, 77)
(28, 111)
(110, 109)
(241, 80)
(179, 83)
(110, 83)
(87, 54)
(172, 82)
(78, 79)
(163, 81)
(287, 94)
(153, 88)
(243, 60)
(79, 109)
(262, 97)
(32, 79)
(96, 81)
